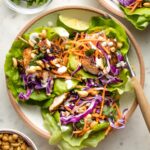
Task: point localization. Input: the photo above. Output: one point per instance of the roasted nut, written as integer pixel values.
(15, 136)
(93, 92)
(119, 45)
(81, 109)
(89, 116)
(15, 63)
(47, 65)
(33, 55)
(1, 135)
(43, 34)
(93, 124)
(5, 147)
(5, 138)
(11, 148)
(146, 4)
(113, 49)
(10, 139)
(40, 63)
(23, 146)
(33, 69)
(15, 144)
(82, 93)
(20, 140)
(18, 148)
(5, 143)
(35, 51)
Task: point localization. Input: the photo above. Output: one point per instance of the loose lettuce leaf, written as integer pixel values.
(140, 18)
(112, 29)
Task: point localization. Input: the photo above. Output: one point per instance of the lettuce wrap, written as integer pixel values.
(72, 85)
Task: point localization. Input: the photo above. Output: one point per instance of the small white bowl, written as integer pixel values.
(27, 10)
(23, 136)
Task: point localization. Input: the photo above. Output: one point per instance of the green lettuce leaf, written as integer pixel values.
(60, 86)
(124, 86)
(112, 29)
(51, 125)
(140, 18)
(73, 141)
(62, 135)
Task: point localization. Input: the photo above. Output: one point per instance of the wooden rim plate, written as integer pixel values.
(31, 114)
(112, 6)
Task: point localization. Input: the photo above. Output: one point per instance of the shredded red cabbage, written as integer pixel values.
(25, 96)
(120, 57)
(73, 119)
(126, 2)
(32, 83)
(49, 86)
(110, 80)
(114, 70)
(78, 69)
(120, 121)
(106, 56)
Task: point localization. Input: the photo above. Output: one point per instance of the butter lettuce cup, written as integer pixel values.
(136, 12)
(68, 79)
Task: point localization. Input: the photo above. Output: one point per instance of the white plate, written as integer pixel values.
(31, 114)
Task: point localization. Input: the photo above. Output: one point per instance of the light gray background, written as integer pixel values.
(134, 137)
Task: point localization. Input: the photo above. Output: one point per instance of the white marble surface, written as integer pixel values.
(134, 137)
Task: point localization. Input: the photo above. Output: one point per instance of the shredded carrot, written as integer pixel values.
(118, 111)
(106, 49)
(65, 59)
(82, 35)
(103, 99)
(86, 40)
(134, 5)
(108, 130)
(84, 130)
(95, 115)
(76, 37)
(82, 55)
(103, 117)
